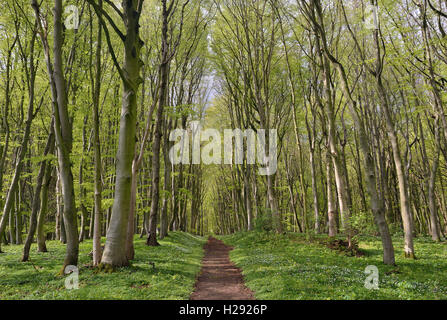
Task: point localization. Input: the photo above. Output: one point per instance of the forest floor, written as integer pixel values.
(219, 278)
(177, 263)
(287, 267)
(296, 267)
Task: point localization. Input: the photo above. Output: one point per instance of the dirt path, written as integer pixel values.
(219, 278)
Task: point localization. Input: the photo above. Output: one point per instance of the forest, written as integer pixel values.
(302, 142)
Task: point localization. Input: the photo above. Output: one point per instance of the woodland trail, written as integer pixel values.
(219, 278)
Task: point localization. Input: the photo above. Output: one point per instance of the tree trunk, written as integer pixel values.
(115, 247)
(167, 185)
(400, 172)
(35, 209)
(41, 236)
(330, 198)
(164, 72)
(64, 139)
(97, 217)
(434, 223)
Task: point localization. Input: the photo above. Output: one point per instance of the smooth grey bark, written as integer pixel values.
(114, 254)
(97, 216)
(41, 236)
(64, 140)
(62, 128)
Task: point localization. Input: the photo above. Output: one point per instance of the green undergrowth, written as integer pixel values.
(177, 263)
(296, 267)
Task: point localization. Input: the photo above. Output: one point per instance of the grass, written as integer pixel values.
(289, 267)
(177, 262)
(286, 267)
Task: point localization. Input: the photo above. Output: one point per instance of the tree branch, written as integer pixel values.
(99, 12)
